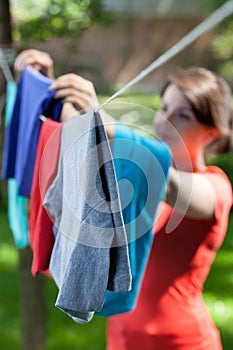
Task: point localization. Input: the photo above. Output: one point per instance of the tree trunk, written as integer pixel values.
(32, 305)
(5, 23)
(5, 42)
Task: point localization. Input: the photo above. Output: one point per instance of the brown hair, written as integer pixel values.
(210, 98)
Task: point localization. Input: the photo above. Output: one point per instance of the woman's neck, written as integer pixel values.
(189, 163)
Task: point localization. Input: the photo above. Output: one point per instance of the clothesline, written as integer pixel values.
(215, 18)
(5, 66)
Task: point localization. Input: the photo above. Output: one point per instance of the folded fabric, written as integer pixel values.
(17, 205)
(141, 165)
(40, 223)
(90, 254)
(33, 99)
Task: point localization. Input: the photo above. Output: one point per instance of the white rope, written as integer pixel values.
(216, 17)
(5, 66)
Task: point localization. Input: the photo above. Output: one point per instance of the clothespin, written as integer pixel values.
(42, 118)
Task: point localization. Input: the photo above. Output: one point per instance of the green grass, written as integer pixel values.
(218, 289)
(9, 289)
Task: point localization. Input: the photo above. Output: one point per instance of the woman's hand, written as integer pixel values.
(76, 90)
(39, 60)
(79, 96)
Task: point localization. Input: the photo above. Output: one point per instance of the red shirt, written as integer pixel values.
(170, 313)
(41, 236)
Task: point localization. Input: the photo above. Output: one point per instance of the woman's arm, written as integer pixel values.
(191, 194)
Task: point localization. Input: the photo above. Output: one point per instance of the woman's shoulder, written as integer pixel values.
(216, 172)
(222, 186)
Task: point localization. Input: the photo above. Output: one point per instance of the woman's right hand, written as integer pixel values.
(79, 96)
(39, 60)
(76, 90)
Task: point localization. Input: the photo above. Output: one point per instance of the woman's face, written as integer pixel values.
(176, 124)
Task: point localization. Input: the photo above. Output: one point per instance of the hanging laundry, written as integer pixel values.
(33, 99)
(141, 165)
(40, 223)
(90, 254)
(17, 205)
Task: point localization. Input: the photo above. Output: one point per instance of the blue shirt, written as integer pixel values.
(141, 165)
(17, 205)
(33, 99)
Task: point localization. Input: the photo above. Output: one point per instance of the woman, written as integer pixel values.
(194, 118)
(170, 313)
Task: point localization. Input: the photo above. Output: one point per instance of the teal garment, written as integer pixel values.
(17, 205)
(11, 90)
(17, 215)
(141, 165)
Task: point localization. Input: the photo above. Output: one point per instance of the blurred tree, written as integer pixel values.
(222, 43)
(5, 23)
(222, 46)
(45, 19)
(5, 43)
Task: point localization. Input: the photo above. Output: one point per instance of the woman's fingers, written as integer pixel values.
(76, 90)
(74, 81)
(38, 60)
